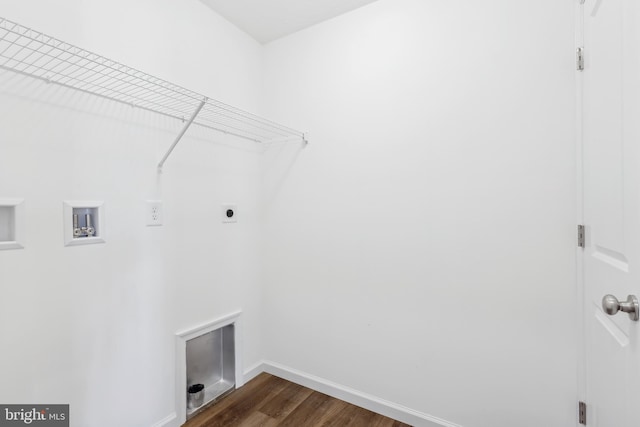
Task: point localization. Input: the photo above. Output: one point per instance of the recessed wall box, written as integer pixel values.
(83, 223)
(11, 224)
(208, 355)
(211, 362)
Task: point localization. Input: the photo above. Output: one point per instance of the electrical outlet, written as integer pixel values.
(229, 212)
(154, 213)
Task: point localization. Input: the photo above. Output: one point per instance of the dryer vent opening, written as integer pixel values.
(210, 361)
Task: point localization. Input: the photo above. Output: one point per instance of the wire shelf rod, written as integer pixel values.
(95, 89)
(38, 55)
(272, 129)
(93, 93)
(116, 68)
(218, 129)
(140, 107)
(99, 76)
(148, 105)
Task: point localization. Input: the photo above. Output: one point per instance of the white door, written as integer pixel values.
(611, 208)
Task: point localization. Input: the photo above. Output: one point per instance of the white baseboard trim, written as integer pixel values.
(355, 397)
(253, 371)
(168, 421)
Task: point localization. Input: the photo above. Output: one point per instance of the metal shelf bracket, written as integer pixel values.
(181, 134)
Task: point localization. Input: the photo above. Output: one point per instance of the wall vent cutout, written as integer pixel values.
(83, 223)
(207, 355)
(11, 224)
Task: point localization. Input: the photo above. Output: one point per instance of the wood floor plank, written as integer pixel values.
(238, 406)
(269, 401)
(364, 417)
(258, 419)
(283, 403)
(315, 410)
(382, 421)
(346, 417)
(242, 408)
(250, 388)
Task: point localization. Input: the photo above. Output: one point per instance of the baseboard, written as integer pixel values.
(355, 397)
(168, 421)
(253, 371)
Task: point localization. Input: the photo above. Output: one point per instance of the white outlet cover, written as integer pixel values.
(229, 212)
(154, 213)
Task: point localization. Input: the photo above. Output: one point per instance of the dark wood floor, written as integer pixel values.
(269, 401)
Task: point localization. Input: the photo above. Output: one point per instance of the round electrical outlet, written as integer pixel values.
(229, 213)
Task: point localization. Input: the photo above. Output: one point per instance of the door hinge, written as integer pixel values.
(581, 236)
(582, 413)
(580, 59)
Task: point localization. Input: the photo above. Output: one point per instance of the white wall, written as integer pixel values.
(421, 248)
(94, 326)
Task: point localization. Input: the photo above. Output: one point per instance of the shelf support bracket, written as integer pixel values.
(181, 134)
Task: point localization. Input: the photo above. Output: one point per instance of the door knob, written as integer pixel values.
(611, 306)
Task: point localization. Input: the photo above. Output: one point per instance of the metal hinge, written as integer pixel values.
(581, 236)
(582, 413)
(580, 59)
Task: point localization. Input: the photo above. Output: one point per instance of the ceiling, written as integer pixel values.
(267, 20)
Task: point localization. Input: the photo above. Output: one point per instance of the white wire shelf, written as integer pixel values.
(31, 53)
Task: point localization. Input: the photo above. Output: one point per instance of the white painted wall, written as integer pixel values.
(94, 326)
(421, 248)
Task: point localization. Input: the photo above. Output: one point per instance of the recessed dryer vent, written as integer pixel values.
(211, 362)
(11, 224)
(208, 365)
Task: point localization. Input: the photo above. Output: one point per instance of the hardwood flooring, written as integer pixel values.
(269, 401)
